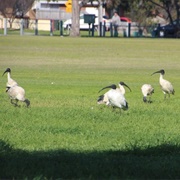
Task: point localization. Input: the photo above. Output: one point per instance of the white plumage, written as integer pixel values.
(122, 89)
(103, 99)
(15, 92)
(147, 91)
(166, 86)
(116, 98)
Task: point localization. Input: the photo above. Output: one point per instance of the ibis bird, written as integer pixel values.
(147, 90)
(166, 86)
(103, 99)
(15, 92)
(115, 97)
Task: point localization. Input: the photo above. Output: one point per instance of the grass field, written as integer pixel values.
(65, 134)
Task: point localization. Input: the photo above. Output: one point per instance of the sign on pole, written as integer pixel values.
(68, 5)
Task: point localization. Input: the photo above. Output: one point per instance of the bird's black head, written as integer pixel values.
(123, 84)
(7, 70)
(113, 86)
(160, 71)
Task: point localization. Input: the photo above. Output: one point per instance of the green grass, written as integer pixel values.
(65, 134)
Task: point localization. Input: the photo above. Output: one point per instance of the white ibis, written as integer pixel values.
(166, 86)
(147, 90)
(115, 97)
(15, 92)
(103, 99)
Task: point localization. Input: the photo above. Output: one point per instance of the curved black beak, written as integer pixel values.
(7, 70)
(160, 71)
(122, 83)
(155, 72)
(113, 86)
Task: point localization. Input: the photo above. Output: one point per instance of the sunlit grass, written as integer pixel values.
(62, 77)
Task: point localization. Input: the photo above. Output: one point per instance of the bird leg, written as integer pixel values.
(113, 108)
(120, 111)
(149, 100)
(14, 103)
(164, 96)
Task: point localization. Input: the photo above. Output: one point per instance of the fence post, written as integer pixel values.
(111, 29)
(128, 29)
(21, 27)
(100, 29)
(36, 27)
(51, 27)
(5, 26)
(104, 29)
(61, 28)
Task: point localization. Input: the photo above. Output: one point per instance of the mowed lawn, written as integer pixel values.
(65, 134)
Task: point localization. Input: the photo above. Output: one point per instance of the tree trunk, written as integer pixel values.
(177, 6)
(10, 23)
(75, 32)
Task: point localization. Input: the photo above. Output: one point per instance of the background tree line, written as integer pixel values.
(138, 10)
(12, 9)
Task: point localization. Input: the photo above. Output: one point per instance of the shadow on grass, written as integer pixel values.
(161, 162)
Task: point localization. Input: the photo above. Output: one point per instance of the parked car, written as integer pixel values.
(83, 26)
(125, 19)
(169, 30)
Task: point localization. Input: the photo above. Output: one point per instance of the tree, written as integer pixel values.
(75, 31)
(170, 6)
(76, 7)
(168, 9)
(8, 10)
(14, 8)
(140, 10)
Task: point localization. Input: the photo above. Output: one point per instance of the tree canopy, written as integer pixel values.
(15, 8)
(139, 10)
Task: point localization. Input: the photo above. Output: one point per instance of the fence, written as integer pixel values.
(54, 27)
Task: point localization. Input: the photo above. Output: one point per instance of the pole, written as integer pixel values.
(100, 29)
(36, 27)
(128, 29)
(51, 28)
(100, 18)
(61, 28)
(92, 29)
(21, 27)
(89, 28)
(104, 29)
(111, 29)
(5, 26)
